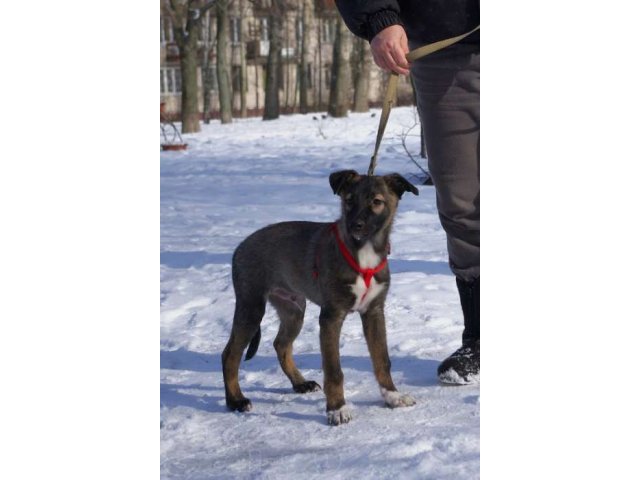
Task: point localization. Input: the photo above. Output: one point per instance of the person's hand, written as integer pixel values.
(389, 48)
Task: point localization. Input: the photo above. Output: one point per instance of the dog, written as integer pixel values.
(340, 266)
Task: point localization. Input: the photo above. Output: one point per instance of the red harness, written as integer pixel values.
(366, 273)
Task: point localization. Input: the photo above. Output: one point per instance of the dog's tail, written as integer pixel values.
(253, 346)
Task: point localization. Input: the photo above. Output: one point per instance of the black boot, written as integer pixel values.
(463, 366)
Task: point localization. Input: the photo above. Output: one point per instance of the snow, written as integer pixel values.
(231, 181)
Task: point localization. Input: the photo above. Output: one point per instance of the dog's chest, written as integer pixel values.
(367, 258)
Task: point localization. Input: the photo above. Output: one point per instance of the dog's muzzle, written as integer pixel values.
(357, 230)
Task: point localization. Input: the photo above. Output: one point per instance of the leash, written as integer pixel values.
(392, 86)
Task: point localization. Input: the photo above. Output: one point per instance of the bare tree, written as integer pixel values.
(305, 40)
(362, 72)
(244, 81)
(284, 70)
(320, 68)
(256, 77)
(423, 143)
(274, 61)
(186, 17)
(225, 94)
(207, 72)
(338, 94)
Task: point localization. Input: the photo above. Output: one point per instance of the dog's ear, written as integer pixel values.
(398, 184)
(342, 179)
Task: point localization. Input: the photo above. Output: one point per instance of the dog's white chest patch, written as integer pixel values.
(367, 258)
(365, 295)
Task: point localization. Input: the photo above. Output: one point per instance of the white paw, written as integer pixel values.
(337, 417)
(396, 399)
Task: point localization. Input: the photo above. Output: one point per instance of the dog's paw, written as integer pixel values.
(306, 387)
(340, 416)
(243, 405)
(396, 399)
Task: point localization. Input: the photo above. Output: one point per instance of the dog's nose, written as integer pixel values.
(358, 225)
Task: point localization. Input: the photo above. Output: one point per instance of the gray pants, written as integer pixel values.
(447, 86)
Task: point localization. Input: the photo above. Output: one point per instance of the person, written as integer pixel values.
(447, 86)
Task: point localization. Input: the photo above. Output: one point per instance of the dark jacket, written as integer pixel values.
(425, 21)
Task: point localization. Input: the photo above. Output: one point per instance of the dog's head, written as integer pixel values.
(369, 203)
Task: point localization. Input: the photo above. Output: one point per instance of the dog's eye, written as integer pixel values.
(377, 202)
(348, 200)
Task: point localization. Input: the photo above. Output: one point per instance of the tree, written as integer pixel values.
(320, 72)
(305, 40)
(207, 71)
(362, 68)
(274, 61)
(225, 94)
(186, 17)
(244, 81)
(338, 94)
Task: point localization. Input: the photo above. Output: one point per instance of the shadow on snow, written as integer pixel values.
(193, 259)
(201, 258)
(407, 370)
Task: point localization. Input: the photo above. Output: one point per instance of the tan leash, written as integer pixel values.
(392, 86)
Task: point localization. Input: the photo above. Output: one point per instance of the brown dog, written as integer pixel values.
(341, 266)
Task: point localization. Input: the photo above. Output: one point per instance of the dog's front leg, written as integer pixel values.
(373, 324)
(330, 325)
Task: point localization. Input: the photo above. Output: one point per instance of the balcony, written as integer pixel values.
(257, 49)
(289, 52)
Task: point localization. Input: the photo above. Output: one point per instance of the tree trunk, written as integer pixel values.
(206, 89)
(320, 68)
(189, 73)
(256, 71)
(243, 64)
(363, 60)
(285, 69)
(222, 62)
(423, 143)
(207, 73)
(303, 78)
(271, 94)
(338, 95)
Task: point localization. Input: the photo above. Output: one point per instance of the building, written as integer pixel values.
(248, 46)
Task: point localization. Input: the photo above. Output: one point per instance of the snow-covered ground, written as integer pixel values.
(234, 179)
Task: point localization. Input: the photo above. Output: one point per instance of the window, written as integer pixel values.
(170, 80)
(166, 30)
(328, 30)
(264, 29)
(203, 31)
(212, 77)
(299, 32)
(170, 73)
(236, 26)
